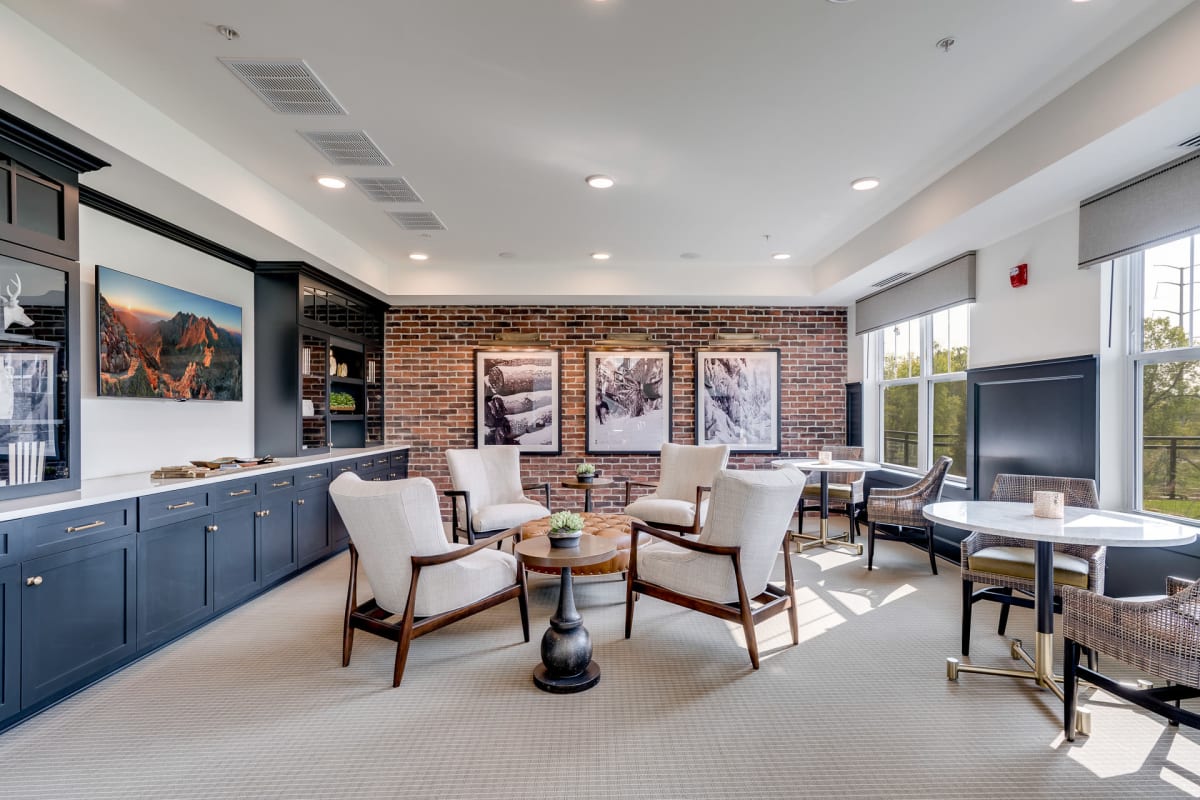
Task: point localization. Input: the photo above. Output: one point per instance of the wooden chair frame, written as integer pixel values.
(469, 528)
(774, 599)
(697, 522)
(370, 617)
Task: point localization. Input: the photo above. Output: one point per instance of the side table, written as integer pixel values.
(587, 487)
(567, 664)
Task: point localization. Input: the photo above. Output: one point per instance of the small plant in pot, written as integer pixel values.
(565, 529)
(585, 472)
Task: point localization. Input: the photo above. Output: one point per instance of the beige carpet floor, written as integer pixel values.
(257, 705)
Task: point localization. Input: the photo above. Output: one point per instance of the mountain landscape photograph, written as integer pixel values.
(159, 341)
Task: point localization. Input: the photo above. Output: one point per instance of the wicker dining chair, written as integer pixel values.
(846, 489)
(900, 509)
(1005, 564)
(1159, 637)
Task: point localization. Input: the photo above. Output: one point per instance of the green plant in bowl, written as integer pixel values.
(565, 529)
(341, 401)
(585, 472)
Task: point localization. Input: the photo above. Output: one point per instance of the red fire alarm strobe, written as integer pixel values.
(1019, 275)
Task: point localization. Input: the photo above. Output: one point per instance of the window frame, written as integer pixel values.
(1138, 359)
(925, 382)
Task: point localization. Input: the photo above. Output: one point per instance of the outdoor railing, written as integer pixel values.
(1171, 452)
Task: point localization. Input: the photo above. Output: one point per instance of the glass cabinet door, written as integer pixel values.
(314, 391)
(34, 397)
(374, 393)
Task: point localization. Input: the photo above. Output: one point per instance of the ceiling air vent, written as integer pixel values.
(888, 281)
(347, 148)
(1192, 142)
(387, 190)
(417, 220)
(289, 87)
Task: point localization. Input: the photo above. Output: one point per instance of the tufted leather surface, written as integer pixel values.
(610, 526)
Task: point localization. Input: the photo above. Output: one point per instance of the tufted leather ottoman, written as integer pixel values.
(609, 526)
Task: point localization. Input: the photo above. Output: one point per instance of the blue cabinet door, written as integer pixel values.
(175, 579)
(237, 568)
(77, 616)
(312, 527)
(277, 535)
(10, 641)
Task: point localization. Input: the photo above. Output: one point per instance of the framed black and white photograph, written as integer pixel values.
(628, 400)
(517, 399)
(737, 399)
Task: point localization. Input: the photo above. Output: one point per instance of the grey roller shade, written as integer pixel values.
(948, 284)
(1161, 205)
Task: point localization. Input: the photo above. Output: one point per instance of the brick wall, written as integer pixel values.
(430, 382)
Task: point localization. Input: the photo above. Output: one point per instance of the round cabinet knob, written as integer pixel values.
(212, 528)
(34, 581)
(300, 502)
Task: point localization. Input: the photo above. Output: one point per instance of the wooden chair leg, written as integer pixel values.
(751, 639)
(523, 600)
(351, 604)
(968, 589)
(929, 544)
(402, 647)
(629, 599)
(793, 619)
(1004, 612)
(870, 545)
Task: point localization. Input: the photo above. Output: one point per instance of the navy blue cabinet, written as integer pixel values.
(277, 537)
(237, 568)
(312, 524)
(10, 641)
(175, 579)
(77, 616)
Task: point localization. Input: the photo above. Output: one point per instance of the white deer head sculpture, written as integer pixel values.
(10, 305)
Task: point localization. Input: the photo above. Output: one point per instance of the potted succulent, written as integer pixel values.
(585, 472)
(565, 529)
(341, 401)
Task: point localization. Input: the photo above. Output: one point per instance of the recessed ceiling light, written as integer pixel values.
(864, 184)
(599, 181)
(330, 182)
(601, 256)
(419, 256)
(227, 32)
(781, 256)
(507, 254)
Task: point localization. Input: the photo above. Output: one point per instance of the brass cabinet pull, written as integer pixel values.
(316, 475)
(263, 513)
(376, 479)
(35, 581)
(242, 492)
(278, 484)
(77, 528)
(345, 469)
(300, 502)
(212, 528)
(181, 505)
(368, 464)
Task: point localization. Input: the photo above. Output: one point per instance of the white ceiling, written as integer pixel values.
(722, 121)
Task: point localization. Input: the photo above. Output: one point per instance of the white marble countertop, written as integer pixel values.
(138, 484)
(812, 465)
(1078, 525)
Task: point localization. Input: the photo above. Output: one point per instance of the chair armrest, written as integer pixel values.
(466, 496)
(696, 521)
(454, 555)
(544, 486)
(688, 544)
(1176, 585)
(629, 484)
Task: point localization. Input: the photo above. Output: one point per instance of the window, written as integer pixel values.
(1166, 365)
(923, 390)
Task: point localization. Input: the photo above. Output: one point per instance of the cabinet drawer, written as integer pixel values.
(62, 530)
(12, 542)
(233, 493)
(340, 467)
(370, 464)
(399, 461)
(165, 508)
(311, 476)
(279, 482)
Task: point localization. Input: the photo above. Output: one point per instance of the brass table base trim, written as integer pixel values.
(824, 540)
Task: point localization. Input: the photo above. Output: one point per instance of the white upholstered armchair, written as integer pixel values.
(488, 494)
(727, 571)
(686, 474)
(396, 531)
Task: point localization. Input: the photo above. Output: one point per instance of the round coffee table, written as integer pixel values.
(587, 486)
(615, 527)
(567, 664)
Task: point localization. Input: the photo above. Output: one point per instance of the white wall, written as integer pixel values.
(127, 435)
(1056, 315)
